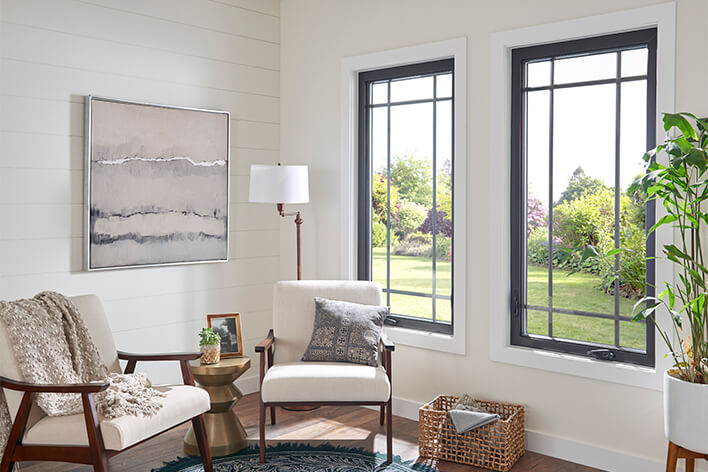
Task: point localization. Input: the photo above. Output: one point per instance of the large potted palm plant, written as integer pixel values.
(681, 187)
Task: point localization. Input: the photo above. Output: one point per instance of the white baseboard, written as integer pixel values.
(589, 454)
(406, 408)
(561, 448)
(248, 384)
(542, 443)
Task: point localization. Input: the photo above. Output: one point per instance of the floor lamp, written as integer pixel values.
(281, 185)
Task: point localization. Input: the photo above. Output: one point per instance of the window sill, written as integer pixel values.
(626, 374)
(454, 344)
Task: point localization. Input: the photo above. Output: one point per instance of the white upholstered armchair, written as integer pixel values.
(87, 438)
(287, 381)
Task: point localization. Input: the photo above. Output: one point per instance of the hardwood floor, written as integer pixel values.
(351, 426)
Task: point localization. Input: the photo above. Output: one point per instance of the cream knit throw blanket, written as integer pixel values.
(53, 346)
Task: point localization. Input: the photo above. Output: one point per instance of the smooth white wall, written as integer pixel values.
(316, 35)
(221, 55)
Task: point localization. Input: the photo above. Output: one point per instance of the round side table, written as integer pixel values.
(223, 428)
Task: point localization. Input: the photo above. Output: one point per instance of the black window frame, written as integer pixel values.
(519, 57)
(364, 170)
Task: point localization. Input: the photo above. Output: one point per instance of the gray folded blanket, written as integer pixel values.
(467, 414)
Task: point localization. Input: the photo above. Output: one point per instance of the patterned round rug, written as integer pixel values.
(300, 458)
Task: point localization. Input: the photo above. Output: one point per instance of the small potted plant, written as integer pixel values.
(210, 346)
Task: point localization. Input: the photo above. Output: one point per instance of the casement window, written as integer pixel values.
(405, 191)
(583, 114)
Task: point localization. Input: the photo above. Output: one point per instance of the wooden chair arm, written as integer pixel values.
(267, 343)
(173, 356)
(182, 357)
(17, 385)
(387, 344)
(265, 349)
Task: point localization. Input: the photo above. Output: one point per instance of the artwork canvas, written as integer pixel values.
(157, 184)
(228, 327)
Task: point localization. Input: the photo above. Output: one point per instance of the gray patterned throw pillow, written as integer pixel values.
(345, 332)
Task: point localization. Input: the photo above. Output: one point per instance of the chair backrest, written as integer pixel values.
(94, 317)
(294, 310)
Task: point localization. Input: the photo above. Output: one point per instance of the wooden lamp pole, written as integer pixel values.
(298, 224)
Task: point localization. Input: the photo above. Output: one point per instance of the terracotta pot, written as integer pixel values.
(686, 413)
(211, 353)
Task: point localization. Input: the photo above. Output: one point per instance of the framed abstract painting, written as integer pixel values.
(157, 184)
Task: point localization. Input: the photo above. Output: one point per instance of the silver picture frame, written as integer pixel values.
(89, 262)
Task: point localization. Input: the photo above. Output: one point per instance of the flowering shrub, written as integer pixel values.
(413, 248)
(410, 216)
(536, 213)
(442, 224)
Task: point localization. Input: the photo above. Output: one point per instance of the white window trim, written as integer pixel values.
(663, 16)
(351, 66)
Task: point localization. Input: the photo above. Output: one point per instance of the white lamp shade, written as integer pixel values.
(278, 184)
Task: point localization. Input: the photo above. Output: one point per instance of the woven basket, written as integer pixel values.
(496, 446)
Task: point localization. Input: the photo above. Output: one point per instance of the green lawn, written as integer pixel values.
(414, 274)
(578, 291)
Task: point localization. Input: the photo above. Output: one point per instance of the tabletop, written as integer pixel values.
(229, 365)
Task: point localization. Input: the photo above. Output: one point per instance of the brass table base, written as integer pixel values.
(224, 431)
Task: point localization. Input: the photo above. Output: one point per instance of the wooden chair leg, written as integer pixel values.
(17, 432)
(6, 465)
(389, 432)
(690, 464)
(272, 415)
(101, 464)
(382, 415)
(672, 457)
(261, 430)
(93, 431)
(202, 442)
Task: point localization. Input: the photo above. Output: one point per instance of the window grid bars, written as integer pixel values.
(409, 102)
(618, 80)
(418, 294)
(435, 180)
(388, 193)
(388, 104)
(585, 83)
(618, 117)
(643, 38)
(550, 202)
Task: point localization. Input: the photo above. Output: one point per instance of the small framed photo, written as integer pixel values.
(229, 329)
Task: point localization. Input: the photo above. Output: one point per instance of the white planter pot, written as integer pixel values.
(686, 414)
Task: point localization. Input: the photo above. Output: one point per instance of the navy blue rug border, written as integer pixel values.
(181, 463)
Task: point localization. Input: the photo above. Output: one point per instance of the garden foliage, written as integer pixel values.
(411, 214)
(584, 217)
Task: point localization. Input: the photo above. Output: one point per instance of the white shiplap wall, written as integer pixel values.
(216, 54)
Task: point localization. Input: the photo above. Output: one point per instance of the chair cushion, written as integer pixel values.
(346, 332)
(94, 317)
(325, 382)
(294, 309)
(182, 403)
